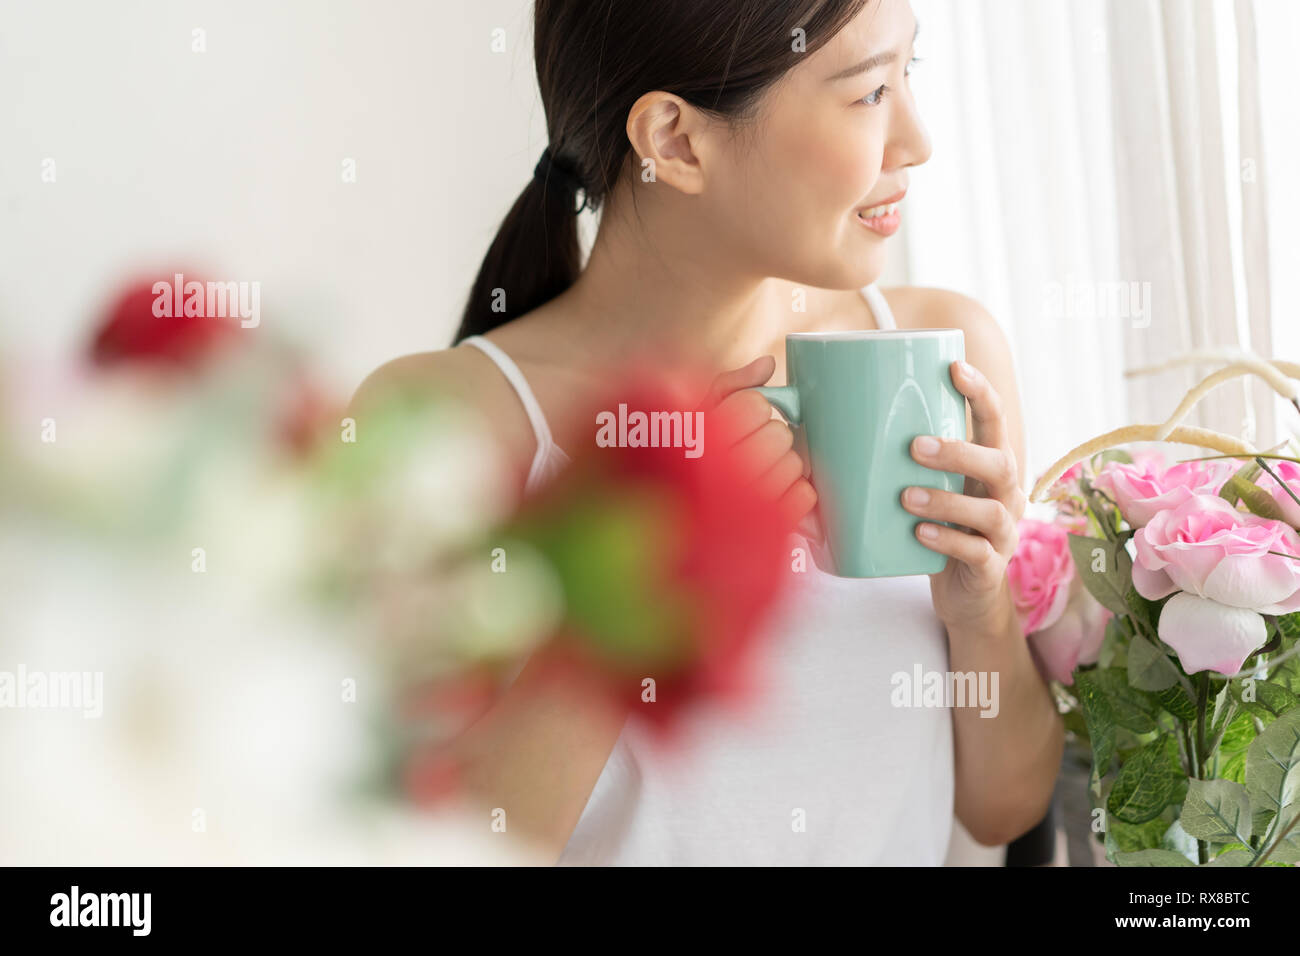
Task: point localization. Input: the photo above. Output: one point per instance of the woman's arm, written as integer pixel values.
(536, 755)
(1006, 764)
(538, 750)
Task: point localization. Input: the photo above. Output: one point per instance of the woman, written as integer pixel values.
(742, 154)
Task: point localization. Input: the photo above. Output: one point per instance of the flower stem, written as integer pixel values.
(1198, 742)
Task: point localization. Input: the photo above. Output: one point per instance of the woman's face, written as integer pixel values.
(811, 186)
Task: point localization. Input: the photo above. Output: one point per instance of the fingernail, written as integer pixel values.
(918, 496)
(927, 445)
(967, 370)
(928, 531)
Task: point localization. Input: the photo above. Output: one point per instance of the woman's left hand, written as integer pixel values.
(970, 589)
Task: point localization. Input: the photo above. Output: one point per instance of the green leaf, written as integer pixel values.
(1217, 811)
(1239, 735)
(1108, 703)
(1110, 584)
(610, 552)
(1224, 707)
(1234, 768)
(1247, 472)
(1146, 613)
(1287, 673)
(1114, 645)
(1152, 858)
(1177, 702)
(1289, 625)
(1233, 858)
(1259, 501)
(1149, 668)
(1134, 710)
(1147, 783)
(1270, 701)
(1273, 769)
(1099, 715)
(1131, 837)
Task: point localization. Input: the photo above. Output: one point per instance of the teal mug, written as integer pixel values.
(856, 400)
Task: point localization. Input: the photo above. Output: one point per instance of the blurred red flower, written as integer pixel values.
(307, 416)
(668, 563)
(130, 332)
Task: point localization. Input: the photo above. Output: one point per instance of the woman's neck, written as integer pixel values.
(662, 291)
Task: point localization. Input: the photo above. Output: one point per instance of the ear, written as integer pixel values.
(669, 131)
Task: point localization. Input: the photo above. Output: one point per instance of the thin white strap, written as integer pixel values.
(510, 370)
(879, 307)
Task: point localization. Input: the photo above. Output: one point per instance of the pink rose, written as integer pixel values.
(1219, 557)
(1289, 472)
(1074, 639)
(1147, 486)
(1040, 573)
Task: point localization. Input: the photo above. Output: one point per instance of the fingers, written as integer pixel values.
(986, 516)
(758, 452)
(767, 457)
(988, 421)
(763, 445)
(798, 501)
(743, 413)
(995, 468)
(810, 527)
(974, 550)
(785, 472)
(755, 373)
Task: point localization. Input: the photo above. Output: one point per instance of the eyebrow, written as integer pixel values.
(871, 62)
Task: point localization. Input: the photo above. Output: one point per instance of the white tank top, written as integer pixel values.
(821, 769)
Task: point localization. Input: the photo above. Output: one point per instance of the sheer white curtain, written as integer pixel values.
(1101, 182)
(1017, 206)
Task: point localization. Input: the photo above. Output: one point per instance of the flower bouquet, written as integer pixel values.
(1163, 600)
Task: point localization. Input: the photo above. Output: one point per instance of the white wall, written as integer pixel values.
(230, 160)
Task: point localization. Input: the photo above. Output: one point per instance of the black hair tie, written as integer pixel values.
(555, 173)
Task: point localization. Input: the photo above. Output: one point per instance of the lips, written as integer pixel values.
(876, 212)
(884, 207)
(882, 218)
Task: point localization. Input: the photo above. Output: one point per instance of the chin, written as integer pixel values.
(844, 264)
(855, 270)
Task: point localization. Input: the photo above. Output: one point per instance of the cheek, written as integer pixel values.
(836, 163)
(790, 197)
(847, 162)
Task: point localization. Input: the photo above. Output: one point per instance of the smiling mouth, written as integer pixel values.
(878, 212)
(883, 219)
(882, 209)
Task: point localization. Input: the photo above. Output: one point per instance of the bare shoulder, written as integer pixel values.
(915, 307)
(463, 374)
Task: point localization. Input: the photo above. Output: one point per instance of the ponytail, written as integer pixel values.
(534, 257)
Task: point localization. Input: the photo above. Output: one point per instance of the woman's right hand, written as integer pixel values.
(765, 446)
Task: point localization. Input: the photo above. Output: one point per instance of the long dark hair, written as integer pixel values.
(595, 58)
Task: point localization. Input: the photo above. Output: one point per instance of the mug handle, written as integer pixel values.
(786, 400)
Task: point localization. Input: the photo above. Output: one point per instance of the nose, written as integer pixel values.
(909, 142)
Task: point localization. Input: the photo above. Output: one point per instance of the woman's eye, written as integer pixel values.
(875, 96)
(911, 65)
